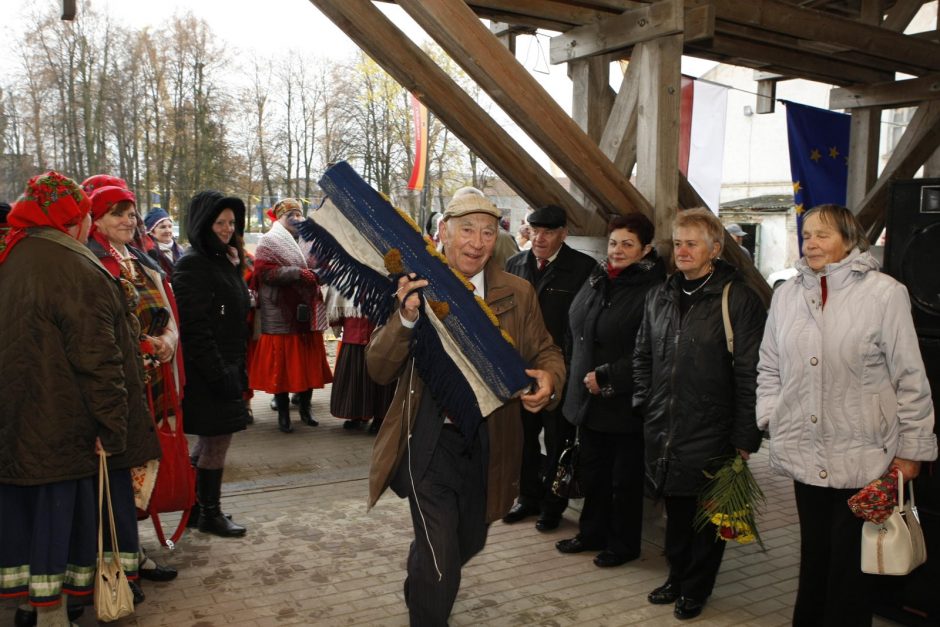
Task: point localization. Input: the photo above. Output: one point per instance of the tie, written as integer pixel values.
(542, 264)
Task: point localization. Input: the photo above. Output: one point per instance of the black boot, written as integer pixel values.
(193, 521)
(211, 518)
(283, 412)
(306, 416)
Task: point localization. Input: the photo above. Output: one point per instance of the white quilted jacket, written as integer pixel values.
(843, 390)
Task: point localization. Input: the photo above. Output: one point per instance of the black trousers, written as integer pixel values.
(833, 590)
(448, 511)
(611, 467)
(537, 471)
(694, 556)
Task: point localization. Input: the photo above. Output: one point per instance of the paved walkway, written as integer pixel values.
(314, 556)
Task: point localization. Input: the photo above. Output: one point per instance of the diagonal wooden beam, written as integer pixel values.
(919, 141)
(901, 14)
(461, 34)
(780, 17)
(412, 68)
(618, 141)
(891, 94)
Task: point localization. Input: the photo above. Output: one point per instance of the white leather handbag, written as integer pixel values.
(895, 547)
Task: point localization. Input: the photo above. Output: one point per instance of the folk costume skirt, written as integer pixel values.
(49, 536)
(289, 363)
(355, 396)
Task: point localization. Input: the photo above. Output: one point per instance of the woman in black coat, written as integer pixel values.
(603, 320)
(213, 305)
(698, 400)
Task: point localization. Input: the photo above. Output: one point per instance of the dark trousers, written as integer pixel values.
(833, 590)
(611, 467)
(448, 510)
(694, 556)
(537, 471)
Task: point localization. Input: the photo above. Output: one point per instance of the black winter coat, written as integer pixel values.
(213, 305)
(556, 286)
(698, 404)
(604, 319)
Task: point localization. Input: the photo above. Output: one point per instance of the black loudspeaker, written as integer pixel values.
(912, 248)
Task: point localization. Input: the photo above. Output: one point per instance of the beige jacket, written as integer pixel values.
(514, 302)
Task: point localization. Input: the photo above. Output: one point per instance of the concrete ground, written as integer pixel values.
(314, 556)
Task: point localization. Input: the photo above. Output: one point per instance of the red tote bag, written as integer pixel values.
(175, 488)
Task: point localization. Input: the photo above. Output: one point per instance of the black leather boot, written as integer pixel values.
(306, 416)
(283, 412)
(193, 521)
(211, 518)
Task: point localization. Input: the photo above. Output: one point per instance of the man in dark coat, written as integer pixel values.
(557, 272)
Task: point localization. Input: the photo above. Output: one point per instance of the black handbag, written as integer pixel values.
(565, 483)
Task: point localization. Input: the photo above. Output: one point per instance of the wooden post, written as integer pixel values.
(591, 95)
(657, 150)
(864, 139)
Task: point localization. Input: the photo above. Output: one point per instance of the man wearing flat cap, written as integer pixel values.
(557, 272)
(456, 485)
(739, 234)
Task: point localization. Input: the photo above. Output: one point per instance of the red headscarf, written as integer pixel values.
(50, 200)
(104, 198)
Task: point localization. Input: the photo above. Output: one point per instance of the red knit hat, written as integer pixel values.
(103, 198)
(102, 180)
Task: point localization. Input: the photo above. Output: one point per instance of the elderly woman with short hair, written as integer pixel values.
(697, 398)
(843, 391)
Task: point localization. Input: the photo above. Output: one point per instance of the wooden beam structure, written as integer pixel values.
(458, 31)
(917, 144)
(618, 141)
(864, 138)
(892, 94)
(619, 32)
(408, 65)
(657, 143)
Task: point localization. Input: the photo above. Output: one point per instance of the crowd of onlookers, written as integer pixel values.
(109, 328)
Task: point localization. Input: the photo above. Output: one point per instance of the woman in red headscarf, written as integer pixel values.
(69, 380)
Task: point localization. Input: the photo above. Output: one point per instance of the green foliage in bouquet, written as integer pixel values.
(730, 501)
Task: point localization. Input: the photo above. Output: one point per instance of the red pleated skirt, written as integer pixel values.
(289, 363)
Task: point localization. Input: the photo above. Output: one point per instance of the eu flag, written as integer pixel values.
(819, 158)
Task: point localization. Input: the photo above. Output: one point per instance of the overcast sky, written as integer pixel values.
(268, 25)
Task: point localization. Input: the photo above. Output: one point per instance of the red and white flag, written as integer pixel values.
(702, 115)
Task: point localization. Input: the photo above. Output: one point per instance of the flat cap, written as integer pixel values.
(549, 216)
(470, 203)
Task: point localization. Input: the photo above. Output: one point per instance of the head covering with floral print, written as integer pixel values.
(49, 200)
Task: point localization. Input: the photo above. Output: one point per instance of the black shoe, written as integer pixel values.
(547, 522)
(282, 403)
(353, 425)
(664, 594)
(28, 618)
(159, 573)
(251, 414)
(283, 423)
(519, 512)
(295, 399)
(609, 559)
(576, 544)
(139, 596)
(687, 608)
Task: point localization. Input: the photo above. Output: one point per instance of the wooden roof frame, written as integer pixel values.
(856, 45)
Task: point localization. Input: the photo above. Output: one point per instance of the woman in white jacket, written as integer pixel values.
(842, 389)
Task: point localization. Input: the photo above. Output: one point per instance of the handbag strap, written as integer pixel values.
(104, 497)
(726, 317)
(901, 491)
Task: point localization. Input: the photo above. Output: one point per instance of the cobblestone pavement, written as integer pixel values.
(314, 556)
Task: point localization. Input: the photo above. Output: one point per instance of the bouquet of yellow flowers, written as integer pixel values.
(730, 501)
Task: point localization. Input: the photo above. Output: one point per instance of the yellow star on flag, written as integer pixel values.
(799, 209)
(797, 187)
(815, 155)
(833, 152)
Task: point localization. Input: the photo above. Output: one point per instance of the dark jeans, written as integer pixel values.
(833, 590)
(448, 511)
(694, 556)
(537, 472)
(611, 467)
